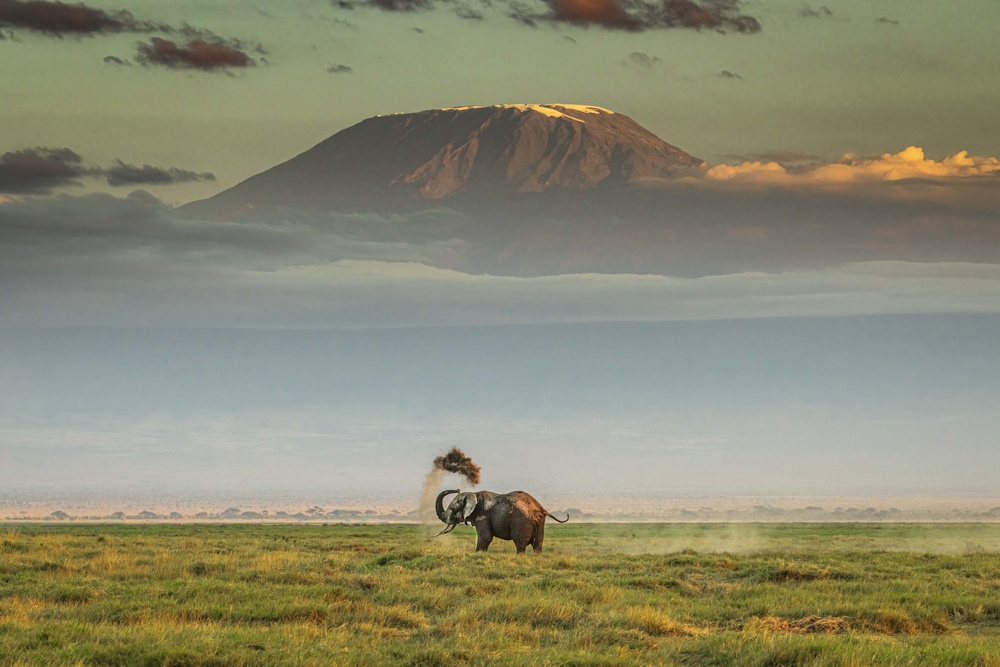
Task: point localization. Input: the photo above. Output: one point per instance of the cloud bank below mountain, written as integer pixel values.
(105, 261)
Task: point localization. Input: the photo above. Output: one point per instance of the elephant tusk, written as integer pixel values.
(447, 529)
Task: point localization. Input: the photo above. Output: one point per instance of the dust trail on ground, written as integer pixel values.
(671, 538)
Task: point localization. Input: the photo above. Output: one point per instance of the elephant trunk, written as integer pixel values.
(439, 504)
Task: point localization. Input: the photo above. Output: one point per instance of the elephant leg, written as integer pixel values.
(536, 544)
(483, 536)
(522, 533)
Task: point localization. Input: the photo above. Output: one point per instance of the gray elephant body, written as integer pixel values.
(514, 516)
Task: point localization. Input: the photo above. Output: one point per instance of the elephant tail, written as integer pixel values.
(549, 514)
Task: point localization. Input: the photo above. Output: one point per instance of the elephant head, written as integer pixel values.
(459, 510)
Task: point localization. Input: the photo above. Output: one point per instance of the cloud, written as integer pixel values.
(606, 13)
(401, 5)
(339, 69)
(820, 12)
(630, 15)
(387, 5)
(750, 240)
(133, 262)
(910, 163)
(129, 174)
(57, 18)
(643, 60)
(101, 223)
(711, 14)
(39, 170)
(885, 20)
(638, 15)
(726, 74)
(205, 50)
(196, 54)
(468, 13)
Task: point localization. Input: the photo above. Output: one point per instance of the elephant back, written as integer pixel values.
(524, 502)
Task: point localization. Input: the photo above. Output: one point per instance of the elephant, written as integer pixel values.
(514, 516)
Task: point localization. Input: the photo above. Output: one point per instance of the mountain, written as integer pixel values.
(441, 156)
(532, 190)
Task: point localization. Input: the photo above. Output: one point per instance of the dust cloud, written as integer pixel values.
(454, 461)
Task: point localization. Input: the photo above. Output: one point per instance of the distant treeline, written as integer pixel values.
(705, 514)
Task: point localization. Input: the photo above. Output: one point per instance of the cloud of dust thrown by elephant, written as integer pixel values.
(454, 461)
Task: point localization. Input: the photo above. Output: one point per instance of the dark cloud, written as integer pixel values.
(129, 174)
(726, 74)
(204, 50)
(47, 235)
(632, 15)
(339, 69)
(195, 34)
(465, 12)
(196, 54)
(134, 261)
(636, 15)
(641, 59)
(38, 170)
(57, 18)
(886, 20)
(711, 14)
(401, 5)
(820, 12)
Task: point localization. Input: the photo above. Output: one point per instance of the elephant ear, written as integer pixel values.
(471, 501)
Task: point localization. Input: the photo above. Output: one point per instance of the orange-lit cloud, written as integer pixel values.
(632, 15)
(197, 54)
(602, 12)
(910, 163)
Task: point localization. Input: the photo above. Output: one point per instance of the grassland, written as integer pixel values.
(611, 594)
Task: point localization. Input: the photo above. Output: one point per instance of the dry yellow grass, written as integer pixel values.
(311, 595)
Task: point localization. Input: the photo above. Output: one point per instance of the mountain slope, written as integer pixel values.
(411, 159)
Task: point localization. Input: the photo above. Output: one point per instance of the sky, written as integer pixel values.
(817, 317)
(858, 77)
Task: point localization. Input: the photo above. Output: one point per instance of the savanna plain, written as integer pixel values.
(599, 594)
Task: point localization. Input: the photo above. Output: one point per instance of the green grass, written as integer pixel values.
(601, 594)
